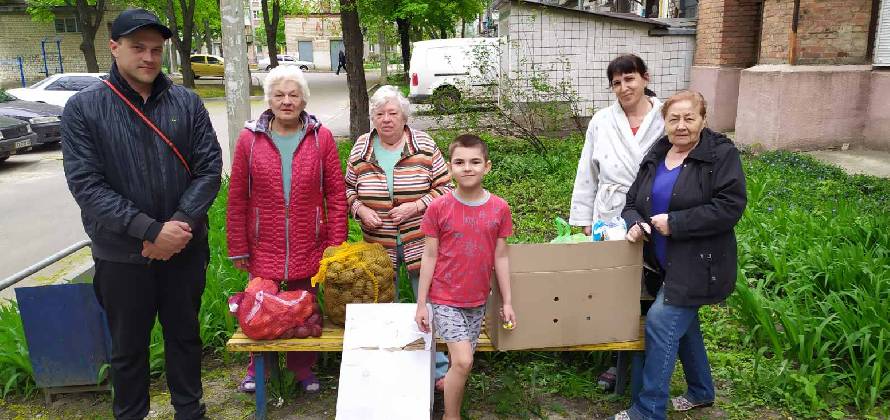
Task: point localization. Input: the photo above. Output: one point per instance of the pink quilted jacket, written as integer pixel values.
(285, 241)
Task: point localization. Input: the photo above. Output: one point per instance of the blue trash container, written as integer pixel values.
(67, 334)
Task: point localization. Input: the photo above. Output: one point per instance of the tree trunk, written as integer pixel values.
(384, 62)
(355, 70)
(463, 28)
(183, 44)
(88, 18)
(208, 39)
(404, 26)
(271, 26)
(443, 33)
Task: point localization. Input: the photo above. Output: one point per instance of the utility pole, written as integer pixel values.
(237, 75)
(384, 60)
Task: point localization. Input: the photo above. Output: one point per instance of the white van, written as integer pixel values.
(445, 70)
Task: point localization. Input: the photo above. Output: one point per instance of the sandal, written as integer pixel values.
(248, 385)
(440, 384)
(310, 385)
(682, 403)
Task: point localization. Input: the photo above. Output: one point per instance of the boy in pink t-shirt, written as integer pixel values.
(466, 233)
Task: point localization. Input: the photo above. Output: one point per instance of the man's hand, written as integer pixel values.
(422, 318)
(150, 250)
(174, 236)
(369, 218)
(404, 211)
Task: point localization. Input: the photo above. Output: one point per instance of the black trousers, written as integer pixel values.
(132, 296)
(339, 66)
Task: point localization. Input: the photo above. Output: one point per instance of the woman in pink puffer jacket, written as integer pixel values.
(287, 199)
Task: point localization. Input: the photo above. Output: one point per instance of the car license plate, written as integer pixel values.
(22, 143)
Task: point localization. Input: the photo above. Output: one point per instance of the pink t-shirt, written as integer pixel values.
(468, 234)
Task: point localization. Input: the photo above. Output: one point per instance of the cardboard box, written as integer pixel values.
(387, 370)
(569, 294)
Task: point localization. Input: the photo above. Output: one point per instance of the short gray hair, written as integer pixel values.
(282, 74)
(385, 94)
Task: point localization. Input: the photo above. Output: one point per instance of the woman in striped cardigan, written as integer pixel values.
(393, 174)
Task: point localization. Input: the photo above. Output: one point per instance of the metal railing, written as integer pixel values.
(46, 262)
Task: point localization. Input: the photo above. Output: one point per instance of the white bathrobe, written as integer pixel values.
(610, 161)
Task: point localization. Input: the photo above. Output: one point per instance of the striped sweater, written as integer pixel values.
(420, 174)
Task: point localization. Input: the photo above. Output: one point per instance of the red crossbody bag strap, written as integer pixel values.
(151, 125)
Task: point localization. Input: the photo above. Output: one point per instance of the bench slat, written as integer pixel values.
(332, 340)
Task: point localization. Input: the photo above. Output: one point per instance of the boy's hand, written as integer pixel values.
(507, 315)
(422, 318)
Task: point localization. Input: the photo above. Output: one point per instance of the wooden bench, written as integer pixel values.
(332, 340)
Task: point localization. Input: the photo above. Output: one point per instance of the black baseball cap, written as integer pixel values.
(132, 20)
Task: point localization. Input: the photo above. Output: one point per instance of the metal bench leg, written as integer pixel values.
(621, 376)
(259, 361)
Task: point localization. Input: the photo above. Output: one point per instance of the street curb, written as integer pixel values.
(223, 98)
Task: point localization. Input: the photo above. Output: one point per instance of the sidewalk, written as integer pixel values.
(866, 162)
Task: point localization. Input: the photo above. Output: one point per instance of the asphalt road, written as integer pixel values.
(39, 216)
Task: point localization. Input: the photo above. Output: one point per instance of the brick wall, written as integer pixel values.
(727, 33)
(21, 38)
(575, 48)
(829, 31)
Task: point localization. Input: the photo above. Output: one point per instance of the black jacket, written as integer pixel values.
(125, 179)
(708, 200)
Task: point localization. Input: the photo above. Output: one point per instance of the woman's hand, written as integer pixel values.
(635, 233)
(422, 318)
(660, 221)
(241, 264)
(588, 230)
(369, 218)
(404, 211)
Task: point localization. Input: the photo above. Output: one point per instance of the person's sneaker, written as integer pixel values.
(606, 380)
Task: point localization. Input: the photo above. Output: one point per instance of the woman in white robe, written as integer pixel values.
(617, 139)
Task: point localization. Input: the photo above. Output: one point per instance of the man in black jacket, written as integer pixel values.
(341, 62)
(144, 204)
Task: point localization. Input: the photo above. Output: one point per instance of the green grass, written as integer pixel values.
(806, 332)
(213, 91)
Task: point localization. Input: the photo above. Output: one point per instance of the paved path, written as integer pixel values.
(866, 162)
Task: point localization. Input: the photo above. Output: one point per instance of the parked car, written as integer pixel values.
(57, 88)
(204, 65)
(45, 119)
(445, 70)
(286, 60)
(15, 137)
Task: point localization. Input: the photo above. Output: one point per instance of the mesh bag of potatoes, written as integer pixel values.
(356, 272)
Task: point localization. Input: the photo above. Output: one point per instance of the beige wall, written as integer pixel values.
(809, 107)
(21, 36)
(877, 128)
(720, 88)
(320, 29)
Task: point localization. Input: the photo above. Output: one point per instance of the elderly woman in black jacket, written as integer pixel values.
(685, 202)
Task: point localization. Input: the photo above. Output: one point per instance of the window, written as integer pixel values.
(256, 14)
(882, 37)
(75, 83)
(198, 59)
(64, 25)
(213, 60)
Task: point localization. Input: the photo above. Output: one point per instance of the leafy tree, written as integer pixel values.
(89, 14)
(353, 43)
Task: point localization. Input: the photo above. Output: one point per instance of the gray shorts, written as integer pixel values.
(458, 324)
